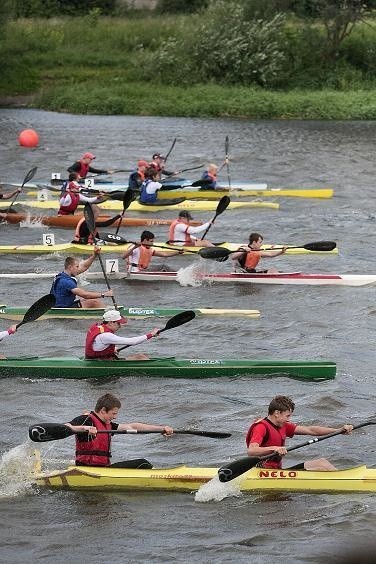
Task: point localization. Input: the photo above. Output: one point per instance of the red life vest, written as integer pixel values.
(94, 331)
(171, 233)
(84, 169)
(77, 233)
(96, 452)
(274, 436)
(71, 208)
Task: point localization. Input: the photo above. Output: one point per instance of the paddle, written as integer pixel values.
(38, 308)
(43, 432)
(90, 220)
(114, 238)
(219, 253)
(27, 178)
(175, 321)
(222, 205)
(128, 198)
(169, 152)
(234, 469)
(227, 149)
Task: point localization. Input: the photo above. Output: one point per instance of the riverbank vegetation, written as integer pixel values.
(226, 59)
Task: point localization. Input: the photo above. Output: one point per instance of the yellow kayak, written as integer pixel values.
(69, 248)
(323, 193)
(188, 479)
(191, 205)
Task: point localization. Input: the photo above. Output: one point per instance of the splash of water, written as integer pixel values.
(214, 490)
(28, 222)
(16, 471)
(192, 275)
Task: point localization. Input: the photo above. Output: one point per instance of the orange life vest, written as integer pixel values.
(252, 259)
(171, 233)
(144, 259)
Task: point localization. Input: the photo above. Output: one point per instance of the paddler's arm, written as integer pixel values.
(99, 170)
(318, 430)
(164, 429)
(4, 334)
(10, 195)
(85, 264)
(276, 253)
(255, 450)
(129, 251)
(91, 430)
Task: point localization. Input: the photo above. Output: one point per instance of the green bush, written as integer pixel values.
(221, 46)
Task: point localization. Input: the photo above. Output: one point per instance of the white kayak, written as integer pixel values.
(289, 278)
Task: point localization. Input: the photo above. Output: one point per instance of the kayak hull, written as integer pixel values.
(191, 205)
(235, 192)
(17, 313)
(188, 479)
(70, 221)
(287, 278)
(169, 367)
(88, 249)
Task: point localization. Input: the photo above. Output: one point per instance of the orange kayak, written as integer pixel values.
(70, 221)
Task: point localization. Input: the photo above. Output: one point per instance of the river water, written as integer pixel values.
(296, 322)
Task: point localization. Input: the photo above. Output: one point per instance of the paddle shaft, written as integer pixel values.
(90, 220)
(120, 241)
(238, 467)
(222, 205)
(170, 150)
(175, 321)
(27, 178)
(127, 200)
(44, 432)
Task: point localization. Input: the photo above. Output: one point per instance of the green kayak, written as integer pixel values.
(17, 313)
(169, 367)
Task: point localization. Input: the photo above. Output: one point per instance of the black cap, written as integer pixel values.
(156, 155)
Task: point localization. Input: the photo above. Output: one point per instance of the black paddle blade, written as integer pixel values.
(202, 182)
(29, 176)
(112, 238)
(222, 205)
(179, 319)
(234, 469)
(215, 253)
(89, 217)
(227, 146)
(43, 432)
(320, 246)
(38, 309)
(128, 197)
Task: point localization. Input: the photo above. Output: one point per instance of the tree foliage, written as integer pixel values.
(222, 46)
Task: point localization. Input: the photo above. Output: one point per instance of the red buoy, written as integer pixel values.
(28, 138)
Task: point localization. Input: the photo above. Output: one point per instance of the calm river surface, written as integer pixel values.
(296, 322)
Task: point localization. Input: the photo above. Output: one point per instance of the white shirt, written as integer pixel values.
(104, 339)
(67, 200)
(182, 228)
(152, 187)
(3, 335)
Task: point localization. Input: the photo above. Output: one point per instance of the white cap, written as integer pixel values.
(114, 315)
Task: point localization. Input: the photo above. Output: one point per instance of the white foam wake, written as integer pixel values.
(214, 490)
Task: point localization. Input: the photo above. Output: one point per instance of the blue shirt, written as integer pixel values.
(62, 288)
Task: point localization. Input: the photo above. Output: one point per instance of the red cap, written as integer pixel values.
(89, 156)
(142, 163)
